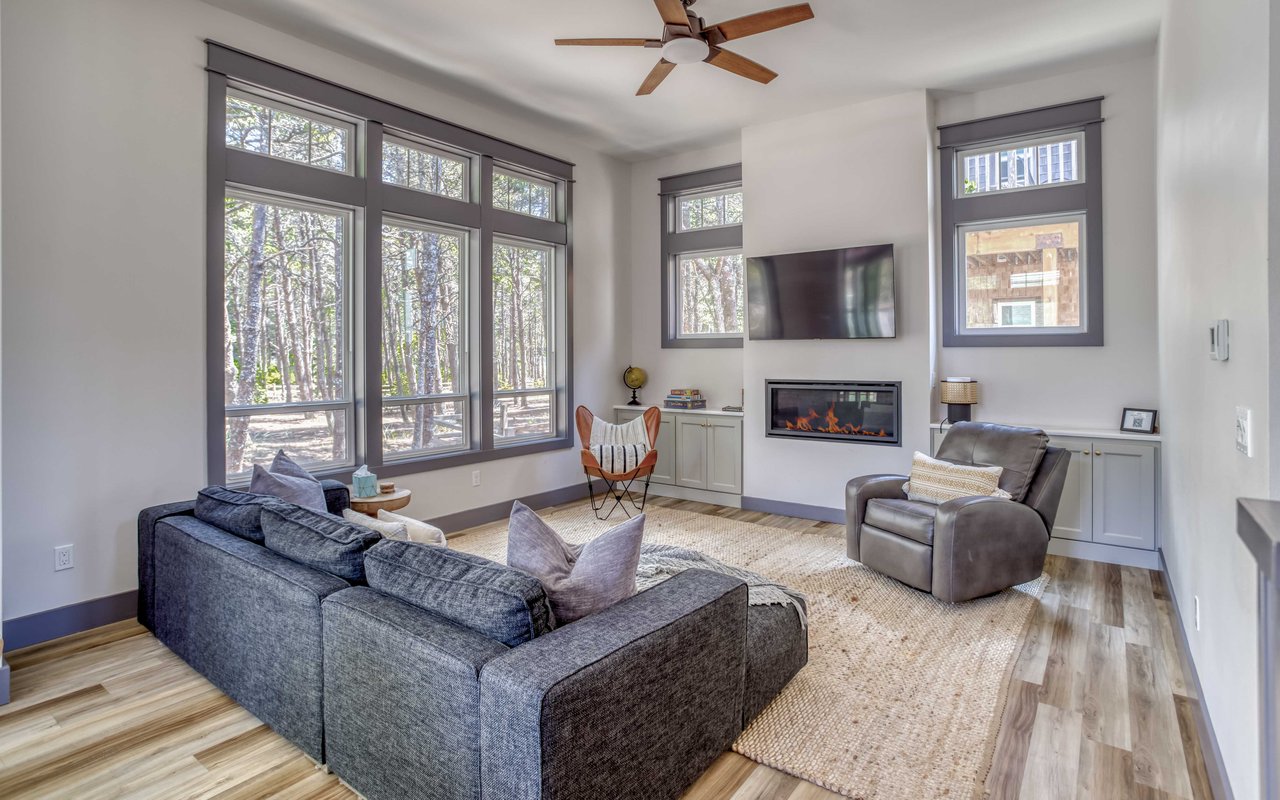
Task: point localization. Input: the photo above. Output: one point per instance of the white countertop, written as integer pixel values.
(1089, 433)
(713, 411)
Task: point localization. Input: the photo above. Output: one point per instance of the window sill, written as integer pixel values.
(447, 460)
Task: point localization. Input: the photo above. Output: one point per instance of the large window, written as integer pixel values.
(1021, 203)
(702, 281)
(286, 332)
(523, 318)
(368, 304)
(424, 309)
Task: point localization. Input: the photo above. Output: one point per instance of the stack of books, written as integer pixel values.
(686, 398)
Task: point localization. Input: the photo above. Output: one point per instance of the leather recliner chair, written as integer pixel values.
(971, 546)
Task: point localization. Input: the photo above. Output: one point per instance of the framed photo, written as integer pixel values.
(1138, 420)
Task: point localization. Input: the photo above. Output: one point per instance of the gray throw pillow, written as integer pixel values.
(317, 539)
(580, 579)
(290, 482)
(283, 465)
(487, 597)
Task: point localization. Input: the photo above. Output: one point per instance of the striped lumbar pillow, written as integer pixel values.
(935, 481)
(618, 458)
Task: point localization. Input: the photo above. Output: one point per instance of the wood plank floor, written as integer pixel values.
(1101, 707)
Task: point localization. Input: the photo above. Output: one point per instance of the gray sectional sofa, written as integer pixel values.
(404, 698)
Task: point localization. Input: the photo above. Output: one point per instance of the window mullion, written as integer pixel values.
(482, 328)
(369, 395)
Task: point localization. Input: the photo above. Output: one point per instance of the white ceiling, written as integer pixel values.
(501, 51)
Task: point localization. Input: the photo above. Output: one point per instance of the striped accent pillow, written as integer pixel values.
(618, 458)
(936, 481)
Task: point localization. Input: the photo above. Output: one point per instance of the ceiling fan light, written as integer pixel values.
(685, 50)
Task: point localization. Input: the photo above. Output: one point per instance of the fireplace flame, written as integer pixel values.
(830, 424)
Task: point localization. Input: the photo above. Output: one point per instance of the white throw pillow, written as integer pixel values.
(936, 481)
(389, 530)
(419, 531)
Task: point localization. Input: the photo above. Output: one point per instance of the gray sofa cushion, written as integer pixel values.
(493, 599)
(233, 511)
(317, 539)
(580, 579)
(248, 620)
(984, 444)
(908, 518)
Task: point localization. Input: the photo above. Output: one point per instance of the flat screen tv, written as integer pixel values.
(823, 294)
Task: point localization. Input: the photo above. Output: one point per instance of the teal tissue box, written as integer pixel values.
(364, 485)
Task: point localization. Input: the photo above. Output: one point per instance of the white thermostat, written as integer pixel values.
(1220, 340)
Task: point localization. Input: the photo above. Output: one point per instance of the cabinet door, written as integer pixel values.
(691, 451)
(664, 471)
(724, 454)
(1075, 510)
(1124, 494)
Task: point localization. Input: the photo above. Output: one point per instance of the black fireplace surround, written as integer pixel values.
(864, 412)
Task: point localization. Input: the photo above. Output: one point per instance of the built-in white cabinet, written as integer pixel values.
(701, 452)
(1111, 495)
(1111, 492)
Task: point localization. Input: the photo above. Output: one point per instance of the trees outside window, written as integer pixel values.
(711, 293)
(286, 332)
(522, 357)
(424, 385)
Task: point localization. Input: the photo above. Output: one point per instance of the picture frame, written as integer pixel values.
(1138, 420)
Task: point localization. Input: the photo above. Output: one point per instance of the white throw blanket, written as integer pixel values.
(619, 448)
(661, 561)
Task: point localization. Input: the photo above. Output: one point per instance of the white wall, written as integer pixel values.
(1083, 386)
(856, 175)
(104, 273)
(1212, 205)
(718, 372)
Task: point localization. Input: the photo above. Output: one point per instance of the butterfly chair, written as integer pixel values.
(619, 455)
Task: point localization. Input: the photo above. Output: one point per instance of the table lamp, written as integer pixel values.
(959, 394)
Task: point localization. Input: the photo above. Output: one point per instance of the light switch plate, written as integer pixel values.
(1244, 431)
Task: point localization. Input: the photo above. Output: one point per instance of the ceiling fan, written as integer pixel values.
(687, 39)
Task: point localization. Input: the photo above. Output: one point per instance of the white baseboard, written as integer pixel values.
(698, 495)
(1107, 553)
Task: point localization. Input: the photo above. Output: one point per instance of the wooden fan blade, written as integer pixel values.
(759, 23)
(660, 70)
(610, 42)
(672, 12)
(740, 65)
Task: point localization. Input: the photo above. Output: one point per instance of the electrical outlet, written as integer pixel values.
(1197, 612)
(475, 477)
(1244, 431)
(64, 557)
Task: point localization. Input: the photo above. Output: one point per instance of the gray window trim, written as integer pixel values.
(675, 243)
(1083, 198)
(371, 198)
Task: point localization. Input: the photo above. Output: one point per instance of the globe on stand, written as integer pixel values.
(634, 378)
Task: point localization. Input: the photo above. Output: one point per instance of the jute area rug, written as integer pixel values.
(903, 694)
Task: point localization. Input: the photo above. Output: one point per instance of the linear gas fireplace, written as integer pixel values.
(839, 411)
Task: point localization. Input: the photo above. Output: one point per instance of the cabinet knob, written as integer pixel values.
(1097, 452)
(1084, 452)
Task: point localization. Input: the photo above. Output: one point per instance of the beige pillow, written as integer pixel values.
(419, 531)
(936, 481)
(389, 530)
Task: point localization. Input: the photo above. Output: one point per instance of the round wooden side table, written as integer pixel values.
(391, 501)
